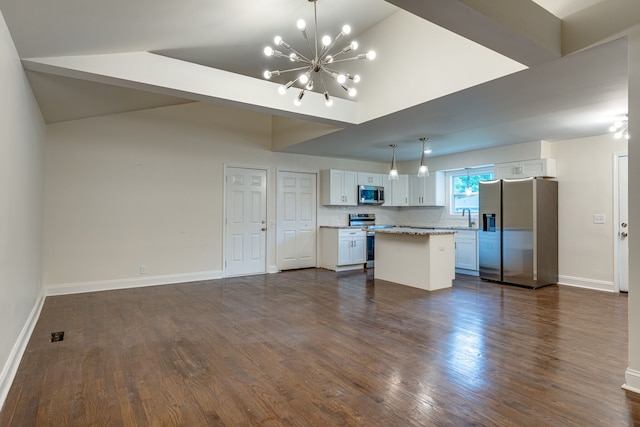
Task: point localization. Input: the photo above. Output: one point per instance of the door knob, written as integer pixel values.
(624, 234)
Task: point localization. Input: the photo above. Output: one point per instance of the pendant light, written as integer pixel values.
(468, 191)
(423, 170)
(393, 172)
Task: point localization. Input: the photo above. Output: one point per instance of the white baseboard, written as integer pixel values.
(579, 282)
(134, 282)
(273, 269)
(632, 381)
(13, 362)
(468, 272)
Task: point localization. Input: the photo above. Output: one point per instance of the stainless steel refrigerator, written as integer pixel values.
(518, 235)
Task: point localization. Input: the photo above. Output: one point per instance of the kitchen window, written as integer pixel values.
(464, 188)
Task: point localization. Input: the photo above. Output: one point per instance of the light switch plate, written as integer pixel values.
(598, 218)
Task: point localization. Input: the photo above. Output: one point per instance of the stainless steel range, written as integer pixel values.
(368, 222)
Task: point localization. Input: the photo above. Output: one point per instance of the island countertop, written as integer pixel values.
(414, 231)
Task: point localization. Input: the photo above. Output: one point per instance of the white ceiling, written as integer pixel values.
(574, 96)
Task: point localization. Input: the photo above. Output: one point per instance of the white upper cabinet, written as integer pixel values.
(526, 169)
(427, 191)
(368, 178)
(338, 187)
(399, 194)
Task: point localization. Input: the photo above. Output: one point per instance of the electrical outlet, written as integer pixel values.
(143, 268)
(598, 218)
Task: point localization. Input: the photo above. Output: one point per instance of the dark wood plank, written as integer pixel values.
(314, 348)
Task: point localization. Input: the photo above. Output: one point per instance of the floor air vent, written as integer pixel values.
(57, 336)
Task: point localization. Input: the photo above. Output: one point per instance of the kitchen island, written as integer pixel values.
(421, 258)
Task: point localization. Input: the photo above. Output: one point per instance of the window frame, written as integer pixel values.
(450, 175)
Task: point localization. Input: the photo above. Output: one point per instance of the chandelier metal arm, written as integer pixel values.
(300, 56)
(277, 72)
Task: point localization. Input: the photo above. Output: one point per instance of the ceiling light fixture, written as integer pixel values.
(322, 55)
(620, 128)
(393, 172)
(423, 170)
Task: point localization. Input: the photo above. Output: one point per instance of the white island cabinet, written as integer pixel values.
(343, 248)
(415, 257)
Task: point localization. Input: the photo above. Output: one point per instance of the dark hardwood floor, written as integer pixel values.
(316, 348)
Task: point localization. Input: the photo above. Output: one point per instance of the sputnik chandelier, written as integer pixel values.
(323, 55)
(620, 128)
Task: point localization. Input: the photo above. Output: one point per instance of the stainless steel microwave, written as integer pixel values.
(370, 195)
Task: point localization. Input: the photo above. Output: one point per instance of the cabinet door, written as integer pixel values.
(416, 191)
(434, 189)
(336, 187)
(359, 250)
(400, 191)
(368, 178)
(466, 254)
(350, 188)
(507, 170)
(344, 250)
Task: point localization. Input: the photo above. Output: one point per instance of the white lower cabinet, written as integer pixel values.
(466, 251)
(343, 248)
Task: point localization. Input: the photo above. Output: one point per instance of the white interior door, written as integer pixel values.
(246, 221)
(623, 223)
(296, 220)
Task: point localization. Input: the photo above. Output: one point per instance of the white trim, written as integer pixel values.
(632, 381)
(13, 362)
(273, 269)
(133, 282)
(616, 220)
(580, 282)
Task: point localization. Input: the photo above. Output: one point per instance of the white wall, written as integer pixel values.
(21, 141)
(146, 187)
(585, 187)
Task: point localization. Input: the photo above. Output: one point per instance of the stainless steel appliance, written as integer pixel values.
(518, 235)
(368, 222)
(370, 195)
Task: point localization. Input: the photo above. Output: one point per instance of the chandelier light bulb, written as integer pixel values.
(341, 78)
(356, 78)
(282, 90)
(268, 51)
(613, 128)
(298, 101)
(267, 74)
(301, 25)
(293, 57)
(277, 40)
(309, 85)
(346, 30)
(326, 41)
(354, 45)
(304, 78)
(352, 92)
(371, 55)
(329, 59)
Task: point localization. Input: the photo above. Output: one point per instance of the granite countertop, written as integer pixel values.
(431, 227)
(414, 231)
(355, 227)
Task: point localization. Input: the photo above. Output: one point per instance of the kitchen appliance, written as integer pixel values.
(370, 195)
(367, 222)
(518, 235)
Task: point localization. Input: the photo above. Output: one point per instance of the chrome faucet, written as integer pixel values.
(469, 212)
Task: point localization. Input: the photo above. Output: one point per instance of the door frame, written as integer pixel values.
(278, 213)
(267, 240)
(615, 221)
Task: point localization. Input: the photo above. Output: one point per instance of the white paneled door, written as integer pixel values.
(246, 221)
(623, 223)
(296, 220)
